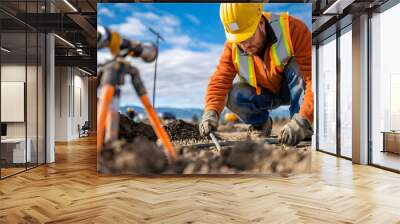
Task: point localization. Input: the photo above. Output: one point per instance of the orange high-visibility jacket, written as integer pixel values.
(221, 81)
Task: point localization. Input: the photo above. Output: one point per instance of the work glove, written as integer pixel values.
(209, 122)
(296, 130)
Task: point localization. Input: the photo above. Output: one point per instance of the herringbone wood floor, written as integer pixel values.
(70, 191)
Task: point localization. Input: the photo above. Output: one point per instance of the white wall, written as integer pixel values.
(71, 94)
(33, 127)
(15, 73)
(61, 103)
(81, 100)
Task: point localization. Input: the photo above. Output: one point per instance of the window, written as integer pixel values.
(385, 89)
(22, 87)
(327, 96)
(346, 93)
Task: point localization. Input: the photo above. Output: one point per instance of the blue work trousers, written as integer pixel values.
(254, 109)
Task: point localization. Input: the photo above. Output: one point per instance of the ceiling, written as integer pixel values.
(331, 15)
(72, 20)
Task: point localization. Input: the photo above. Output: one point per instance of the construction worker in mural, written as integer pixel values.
(271, 54)
(131, 113)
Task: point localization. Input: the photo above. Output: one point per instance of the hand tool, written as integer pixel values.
(214, 139)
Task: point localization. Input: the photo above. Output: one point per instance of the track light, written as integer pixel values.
(70, 5)
(5, 50)
(337, 7)
(65, 41)
(84, 71)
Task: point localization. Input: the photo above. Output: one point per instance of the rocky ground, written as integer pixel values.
(137, 152)
(180, 130)
(129, 130)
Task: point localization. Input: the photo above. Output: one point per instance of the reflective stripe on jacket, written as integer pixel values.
(280, 53)
(265, 72)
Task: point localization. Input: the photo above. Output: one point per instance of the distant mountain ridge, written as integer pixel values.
(188, 113)
(180, 113)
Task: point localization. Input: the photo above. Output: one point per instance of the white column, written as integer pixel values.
(314, 78)
(50, 93)
(360, 90)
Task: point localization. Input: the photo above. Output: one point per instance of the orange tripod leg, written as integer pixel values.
(158, 128)
(103, 109)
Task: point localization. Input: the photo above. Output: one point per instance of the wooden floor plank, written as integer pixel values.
(70, 191)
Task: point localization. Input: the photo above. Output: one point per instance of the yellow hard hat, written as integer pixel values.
(240, 20)
(129, 109)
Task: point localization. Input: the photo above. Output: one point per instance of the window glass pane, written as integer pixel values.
(23, 88)
(346, 93)
(327, 96)
(31, 86)
(15, 150)
(385, 84)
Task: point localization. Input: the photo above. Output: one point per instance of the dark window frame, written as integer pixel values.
(44, 102)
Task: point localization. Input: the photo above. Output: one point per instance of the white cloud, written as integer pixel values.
(193, 19)
(106, 12)
(169, 26)
(123, 7)
(103, 56)
(182, 73)
(179, 41)
(130, 28)
(169, 20)
(146, 15)
(182, 76)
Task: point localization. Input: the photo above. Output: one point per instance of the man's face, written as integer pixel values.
(255, 44)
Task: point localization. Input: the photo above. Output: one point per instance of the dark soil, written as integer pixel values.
(140, 156)
(144, 157)
(178, 130)
(245, 155)
(181, 130)
(137, 153)
(128, 129)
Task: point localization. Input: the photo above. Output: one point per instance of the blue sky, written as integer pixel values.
(194, 41)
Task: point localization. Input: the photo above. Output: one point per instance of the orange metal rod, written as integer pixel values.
(103, 108)
(158, 128)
